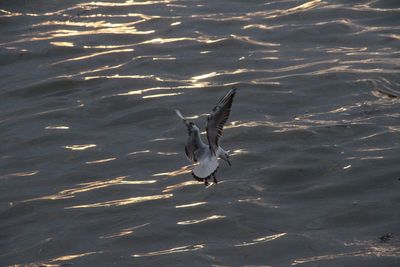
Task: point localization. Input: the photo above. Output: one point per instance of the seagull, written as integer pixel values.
(206, 156)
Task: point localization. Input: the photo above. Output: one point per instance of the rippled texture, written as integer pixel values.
(93, 171)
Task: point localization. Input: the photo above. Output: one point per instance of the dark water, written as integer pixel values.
(92, 169)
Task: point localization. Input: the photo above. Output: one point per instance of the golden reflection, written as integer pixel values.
(22, 174)
(102, 68)
(239, 152)
(394, 129)
(304, 7)
(218, 17)
(124, 232)
(210, 41)
(172, 250)
(237, 124)
(135, 92)
(270, 58)
(105, 46)
(163, 58)
(167, 40)
(175, 23)
(144, 17)
(261, 240)
(10, 14)
(85, 187)
(176, 5)
(339, 110)
(122, 202)
(117, 76)
(179, 185)
(126, 3)
(262, 26)
(95, 55)
(55, 262)
(19, 174)
(100, 161)
(191, 205)
(344, 49)
(139, 152)
(86, 24)
(204, 76)
(72, 33)
(84, 7)
(183, 170)
(74, 256)
(195, 79)
(347, 167)
(393, 36)
(57, 127)
(64, 44)
(141, 91)
(161, 95)
(80, 147)
(251, 41)
(213, 217)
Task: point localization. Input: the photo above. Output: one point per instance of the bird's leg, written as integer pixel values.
(215, 179)
(206, 181)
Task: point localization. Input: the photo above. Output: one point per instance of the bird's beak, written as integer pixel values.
(230, 165)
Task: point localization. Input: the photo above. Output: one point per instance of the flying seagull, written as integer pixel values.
(206, 156)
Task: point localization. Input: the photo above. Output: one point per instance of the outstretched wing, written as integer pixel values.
(193, 143)
(217, 119)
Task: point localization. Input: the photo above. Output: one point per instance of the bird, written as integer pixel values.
(206, 156)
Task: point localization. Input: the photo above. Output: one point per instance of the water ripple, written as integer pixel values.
(93, 154)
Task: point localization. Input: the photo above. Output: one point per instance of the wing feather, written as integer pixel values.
(217, 119)
(193, 143)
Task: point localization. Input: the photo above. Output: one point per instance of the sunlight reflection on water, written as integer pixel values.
(121, 202)
(89, 89)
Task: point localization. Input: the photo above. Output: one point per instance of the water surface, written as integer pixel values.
(92, 166)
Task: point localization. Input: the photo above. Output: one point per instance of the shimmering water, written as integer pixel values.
(92, 166)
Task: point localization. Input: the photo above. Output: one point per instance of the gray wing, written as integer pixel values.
(193, 143)
(217, 119)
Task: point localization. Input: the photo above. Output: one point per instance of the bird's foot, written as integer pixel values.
(206, 182)
(215, 180)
